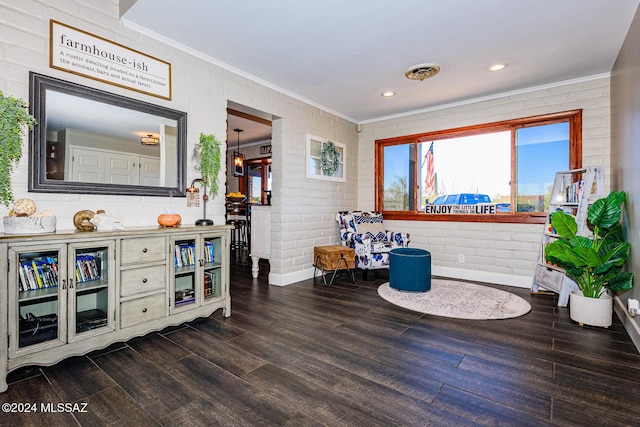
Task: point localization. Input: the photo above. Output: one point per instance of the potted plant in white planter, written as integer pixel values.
(594, 263)
(13, 119)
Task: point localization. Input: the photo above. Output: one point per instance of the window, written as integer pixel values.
(500, 172)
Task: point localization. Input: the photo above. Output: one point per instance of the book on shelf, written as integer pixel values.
(209, 252)
(90, 319)
(184, 296)
(573, 191)
(38, 273)
(209, 284)
(185, 254)
(87, 268)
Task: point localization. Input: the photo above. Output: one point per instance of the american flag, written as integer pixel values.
(430, 179)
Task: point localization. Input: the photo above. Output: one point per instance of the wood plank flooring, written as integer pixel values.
(314, 355)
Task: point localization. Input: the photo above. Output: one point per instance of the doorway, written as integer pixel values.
(249, 134)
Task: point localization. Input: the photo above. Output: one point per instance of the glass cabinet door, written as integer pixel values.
(91, 270)
(39, 286)
(185, 264)
(212, 268)
(197, 271)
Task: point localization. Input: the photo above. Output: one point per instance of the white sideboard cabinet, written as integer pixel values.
(68, 293)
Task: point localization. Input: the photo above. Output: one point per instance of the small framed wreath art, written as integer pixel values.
(325, 159)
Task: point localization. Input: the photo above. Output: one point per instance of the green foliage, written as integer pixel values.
(329, 158)
(396, 197)
(13, 117)
(594, 263)
(210, 161)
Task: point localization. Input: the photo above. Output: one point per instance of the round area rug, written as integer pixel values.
(461, 300)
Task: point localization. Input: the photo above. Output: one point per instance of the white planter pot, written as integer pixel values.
(591, 311)
(28, 224)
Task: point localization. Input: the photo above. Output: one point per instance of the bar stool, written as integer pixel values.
(239, 242)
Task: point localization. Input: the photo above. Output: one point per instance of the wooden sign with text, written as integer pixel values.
(78, 52)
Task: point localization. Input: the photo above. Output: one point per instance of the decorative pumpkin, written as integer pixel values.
(169, 219)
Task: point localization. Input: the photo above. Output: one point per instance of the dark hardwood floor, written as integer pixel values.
(310, 354)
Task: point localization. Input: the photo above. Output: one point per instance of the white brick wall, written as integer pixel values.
(303, 209)
(502, 253)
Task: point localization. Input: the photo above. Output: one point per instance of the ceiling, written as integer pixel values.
(341, 55)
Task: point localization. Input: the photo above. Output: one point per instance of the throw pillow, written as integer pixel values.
(371, 226)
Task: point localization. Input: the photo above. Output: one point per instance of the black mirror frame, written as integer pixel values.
(38, 86)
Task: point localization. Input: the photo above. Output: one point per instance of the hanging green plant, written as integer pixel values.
(329, 158)
(13, 117)
(210, 161)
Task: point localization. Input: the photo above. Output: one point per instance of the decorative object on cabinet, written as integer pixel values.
(24, 218)
(24, 207)
(13, 118)
(169, 219)
(82, 220)
(364, 231)
(594, 262)
(67, 294)
(238, 158)
(210, 161)
(112, 124)
(193, 193)
(325, 159)
(104, 222)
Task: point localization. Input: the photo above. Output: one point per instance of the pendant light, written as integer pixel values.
(238, 158)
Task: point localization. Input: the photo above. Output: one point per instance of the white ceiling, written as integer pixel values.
(341, 55)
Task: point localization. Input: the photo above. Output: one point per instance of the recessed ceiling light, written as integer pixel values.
(497, 67)
(388, 94)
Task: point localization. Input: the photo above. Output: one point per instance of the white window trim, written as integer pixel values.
(312, 172)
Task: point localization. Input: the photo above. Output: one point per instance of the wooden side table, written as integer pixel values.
(333, 259)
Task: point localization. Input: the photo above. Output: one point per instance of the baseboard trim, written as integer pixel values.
(630, 324)
(289, 278)
(453, 273)
(483, 276)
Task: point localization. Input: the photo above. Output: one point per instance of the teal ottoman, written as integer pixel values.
(410, 269)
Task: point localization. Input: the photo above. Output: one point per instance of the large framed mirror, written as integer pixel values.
(88, 141)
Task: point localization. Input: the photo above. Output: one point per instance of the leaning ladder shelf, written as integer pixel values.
(573, 192)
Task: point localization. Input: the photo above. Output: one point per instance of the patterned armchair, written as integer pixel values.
(364, 231)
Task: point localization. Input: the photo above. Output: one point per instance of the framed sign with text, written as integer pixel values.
(265, 149)
(79, 52)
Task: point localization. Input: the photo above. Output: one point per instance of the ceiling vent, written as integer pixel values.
(422, 71)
